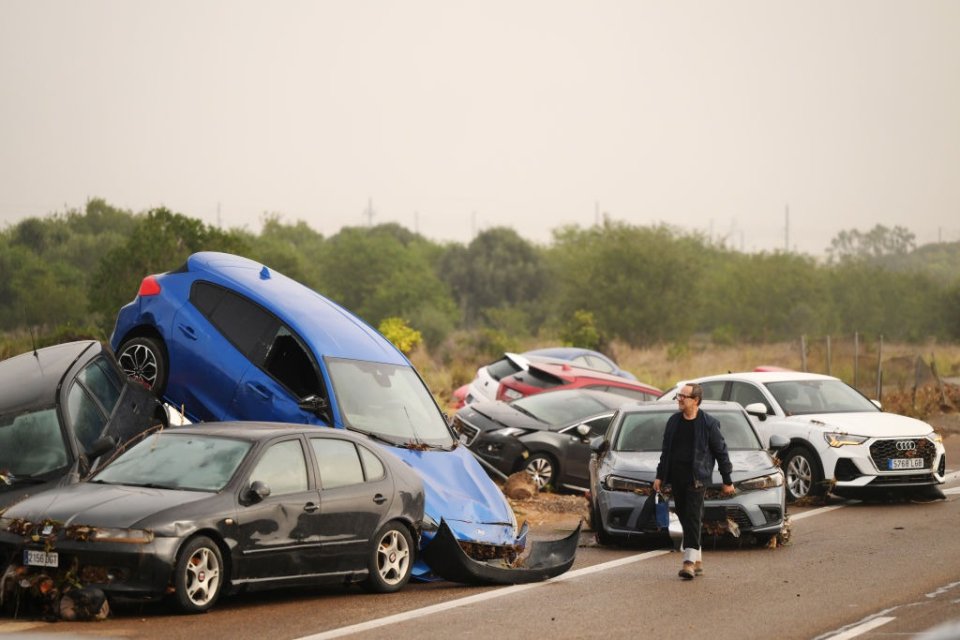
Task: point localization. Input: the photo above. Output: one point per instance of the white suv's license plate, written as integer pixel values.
(41, 558)
(905, 463)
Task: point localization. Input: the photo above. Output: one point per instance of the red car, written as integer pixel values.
(542, 376)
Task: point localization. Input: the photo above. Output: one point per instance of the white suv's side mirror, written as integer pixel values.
(757, 409)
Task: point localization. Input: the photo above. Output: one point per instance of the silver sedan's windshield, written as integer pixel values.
(31, 443)
(388, 401)
(177, 461)
(643, 431)
(799, 397)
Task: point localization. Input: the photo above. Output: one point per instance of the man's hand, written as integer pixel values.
(728, 490)
(656, 485)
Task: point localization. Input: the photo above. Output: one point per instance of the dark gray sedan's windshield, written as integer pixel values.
(799, 397)
(389, 401)
(644, 431)
(180, 461)
(559, 407)
(31, 443)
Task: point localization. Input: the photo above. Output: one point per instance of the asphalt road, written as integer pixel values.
(864, 570)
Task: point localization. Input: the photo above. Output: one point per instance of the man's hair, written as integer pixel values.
(696, 391)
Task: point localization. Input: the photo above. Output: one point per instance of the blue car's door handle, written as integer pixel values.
(188, 331)
(260, 390)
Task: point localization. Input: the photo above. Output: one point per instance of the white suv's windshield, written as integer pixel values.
(800, 397)
(388, 401)
(31, 444)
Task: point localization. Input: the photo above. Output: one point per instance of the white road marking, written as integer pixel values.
(14, 627)
(861, 629)
(815, 512)
(950, 492)
(480, 597)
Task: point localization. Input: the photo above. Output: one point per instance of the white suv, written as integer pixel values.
(839, 440)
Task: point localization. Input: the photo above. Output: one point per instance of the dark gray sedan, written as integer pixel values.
(546, 434)
(623, 471)
(204, 509)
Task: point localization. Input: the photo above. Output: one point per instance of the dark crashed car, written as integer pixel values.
(202, 510)
(63, 410)
(546, 434)
(622, 475)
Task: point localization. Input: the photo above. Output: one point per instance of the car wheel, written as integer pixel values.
(143, 359)
(541, 468)
(802, 474)
(199, 576)
(391, 559)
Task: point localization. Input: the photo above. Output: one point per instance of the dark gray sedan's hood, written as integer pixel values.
(101, 505)
(491, 415)
(642, 465)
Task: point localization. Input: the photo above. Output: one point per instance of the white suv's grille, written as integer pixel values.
(882, 451)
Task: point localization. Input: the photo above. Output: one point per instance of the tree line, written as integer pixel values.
(69, 273)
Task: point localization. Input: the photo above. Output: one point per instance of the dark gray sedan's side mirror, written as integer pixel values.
(259, 490)
(583, 430)
(778, 442)
(599, 445)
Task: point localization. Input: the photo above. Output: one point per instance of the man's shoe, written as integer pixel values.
(698, 568)
(687, 571)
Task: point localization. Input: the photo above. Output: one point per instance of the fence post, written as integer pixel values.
(828, 355)
(856, 359)
(803, 352)
(880, 369)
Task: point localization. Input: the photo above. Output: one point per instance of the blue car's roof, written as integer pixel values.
(328, 327)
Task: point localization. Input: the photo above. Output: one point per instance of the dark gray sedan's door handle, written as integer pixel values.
(310, 507)
(379, 499)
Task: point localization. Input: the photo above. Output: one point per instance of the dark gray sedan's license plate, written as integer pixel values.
(41, 558)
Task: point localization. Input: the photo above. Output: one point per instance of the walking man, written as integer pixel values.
(692, 445)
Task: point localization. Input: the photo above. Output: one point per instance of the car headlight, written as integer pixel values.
(109, 534)
(763, 482)
(840, 439)
(936, 437)
(509, 431)
(616, 483)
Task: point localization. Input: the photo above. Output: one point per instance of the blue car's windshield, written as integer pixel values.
(31, 443)
(177, 461)
(388, 401)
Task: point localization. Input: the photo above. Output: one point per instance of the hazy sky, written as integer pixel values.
(453, 117)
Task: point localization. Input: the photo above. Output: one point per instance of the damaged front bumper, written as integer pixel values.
(543, 560)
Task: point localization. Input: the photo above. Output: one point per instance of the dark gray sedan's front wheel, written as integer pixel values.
(199, 576)
(391, 560)
(144, 359)
(542, 469)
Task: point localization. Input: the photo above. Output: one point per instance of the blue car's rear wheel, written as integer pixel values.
(143, 359)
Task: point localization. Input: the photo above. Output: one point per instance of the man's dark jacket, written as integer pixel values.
(709, 448)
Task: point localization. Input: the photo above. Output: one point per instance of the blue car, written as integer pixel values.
(224, 338)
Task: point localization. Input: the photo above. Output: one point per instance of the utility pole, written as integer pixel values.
(786, 231)
(368, 213)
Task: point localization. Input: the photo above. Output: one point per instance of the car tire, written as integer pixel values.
(542, 468)
(802, 474)
(199, 576)
(391, 559)
(144, 360)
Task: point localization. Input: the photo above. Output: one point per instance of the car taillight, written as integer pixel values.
(149, 287)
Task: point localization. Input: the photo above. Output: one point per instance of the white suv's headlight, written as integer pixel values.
(763, 482)
(841, 439)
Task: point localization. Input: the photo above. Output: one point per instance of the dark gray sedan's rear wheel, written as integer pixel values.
(144, 359)
(542, 469)
(199, 576)
(391, 559)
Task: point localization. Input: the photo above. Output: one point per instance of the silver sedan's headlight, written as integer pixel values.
(618, 483)
(840, 439)
(763, 482)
